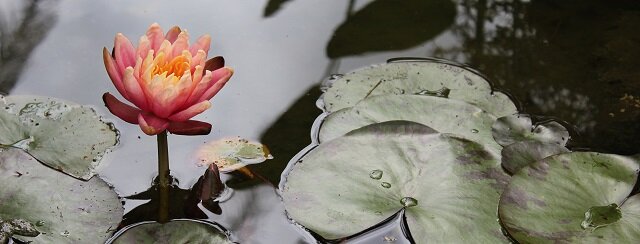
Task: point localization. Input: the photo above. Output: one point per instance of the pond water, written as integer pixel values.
(574, 61)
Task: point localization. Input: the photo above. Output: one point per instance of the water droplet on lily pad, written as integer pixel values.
(474, 131)
(408, 202)
(599, 216)
(376, 174)
(386, 184)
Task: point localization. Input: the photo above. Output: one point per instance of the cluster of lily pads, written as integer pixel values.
(49, 150)
(434, 141)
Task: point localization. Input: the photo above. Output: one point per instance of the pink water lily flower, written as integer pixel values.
(166, 79)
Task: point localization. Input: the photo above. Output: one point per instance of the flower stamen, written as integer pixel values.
(177, 67)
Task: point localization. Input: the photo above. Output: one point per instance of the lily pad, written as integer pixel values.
(514, 128)
(232, 153)
(443, 115)
(521, 154)
(449, 186)
(175, 231)
(574, 198)
(12, 227)
(425, 77)
(63, 209)
(63, 135)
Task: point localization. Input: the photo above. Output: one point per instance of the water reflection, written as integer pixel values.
(569, 59)
(183, 202)
(573, 60)
(22, 28)
(289, 134)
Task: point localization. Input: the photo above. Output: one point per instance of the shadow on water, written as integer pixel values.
(20, 35)
(288, 135)
(386, 25)
(273, 6)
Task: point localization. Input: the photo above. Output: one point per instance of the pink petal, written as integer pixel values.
(181, 44)
(172, 34)
(190, 128)
(188, 113)
(155, 35)
(220, 77)
(201, 84)
(114, 74)
(203, 43)
(136, 95)
(124, 54)
(152, 125)
(121, 110)
(198, 72)
(198, 60)
(144, 45)
(170, 100)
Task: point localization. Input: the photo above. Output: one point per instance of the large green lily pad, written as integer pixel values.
(547, 202)
(63, 209)
(443, 115)
(176, 231)
(426, 77)
(449, 186)
(518, 127)
(65, 136)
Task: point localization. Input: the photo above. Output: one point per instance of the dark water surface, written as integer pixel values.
(573, 60)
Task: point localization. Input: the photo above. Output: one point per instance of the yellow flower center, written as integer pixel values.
(177, 67)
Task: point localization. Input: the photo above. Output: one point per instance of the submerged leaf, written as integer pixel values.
(175, 231)
(63, 209)
(573, 198)
(232, 153)
(514, 128)
(417, 78)
(443, 115)
(521, 154)
(446, 184)
(65, 136)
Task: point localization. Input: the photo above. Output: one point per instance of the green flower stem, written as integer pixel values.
(163, 176)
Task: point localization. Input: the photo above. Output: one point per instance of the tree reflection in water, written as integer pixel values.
(20, 34)
(572, 60)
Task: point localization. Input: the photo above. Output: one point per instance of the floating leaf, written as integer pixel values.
(20, 227)
(65, 136)
(518, 127)
(443, 115)
(386, 25)
(176, 231)
(521, 154)
(447, 184)
(232, 153)
(425, 78)
(63, 209)
(574, 198)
